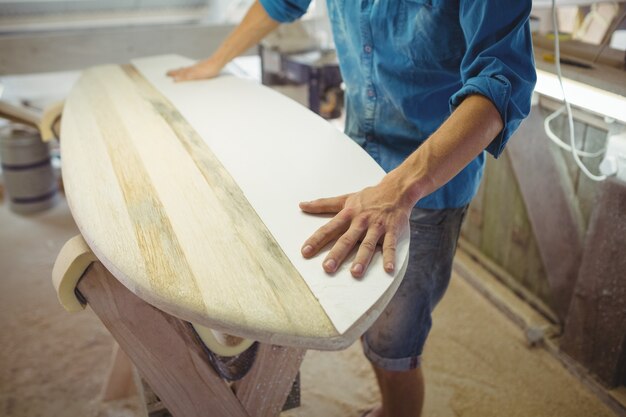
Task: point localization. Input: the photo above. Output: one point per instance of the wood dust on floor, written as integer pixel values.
(53, 363)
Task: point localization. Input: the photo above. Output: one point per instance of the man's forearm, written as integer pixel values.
(466, 133)
(254, 27)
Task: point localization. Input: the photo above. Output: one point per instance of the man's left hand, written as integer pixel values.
(375, 214)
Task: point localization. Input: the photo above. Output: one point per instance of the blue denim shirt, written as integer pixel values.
(407, 64)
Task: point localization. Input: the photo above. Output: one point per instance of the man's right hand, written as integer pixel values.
(255, 25)
(202, 70)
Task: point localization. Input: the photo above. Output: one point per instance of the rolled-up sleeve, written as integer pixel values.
(285, 11)
(498, 62)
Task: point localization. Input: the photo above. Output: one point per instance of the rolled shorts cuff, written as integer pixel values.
(389, 364)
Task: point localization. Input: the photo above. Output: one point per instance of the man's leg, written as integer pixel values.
(402, 393)
(395, 341)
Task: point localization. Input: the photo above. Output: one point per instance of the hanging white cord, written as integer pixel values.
(570, 118)
(557, 140)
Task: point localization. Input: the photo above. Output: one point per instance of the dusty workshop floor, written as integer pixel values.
(52, 363)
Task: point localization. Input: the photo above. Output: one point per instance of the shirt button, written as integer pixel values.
(370, 92)
(369, 137)
(367, 49)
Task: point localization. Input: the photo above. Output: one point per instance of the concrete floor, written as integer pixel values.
(52, 363)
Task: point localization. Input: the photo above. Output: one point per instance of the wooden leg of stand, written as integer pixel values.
(164, 349)
(119, 382)
(265, 388)
(141, 394)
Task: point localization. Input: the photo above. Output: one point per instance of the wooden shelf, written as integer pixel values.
(607, 74)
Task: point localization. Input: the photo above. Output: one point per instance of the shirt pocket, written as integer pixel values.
(433, 33)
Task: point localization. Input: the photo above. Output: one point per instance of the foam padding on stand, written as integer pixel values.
(72, 262)
(222, 343)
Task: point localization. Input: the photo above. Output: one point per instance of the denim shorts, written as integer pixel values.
(396, 340)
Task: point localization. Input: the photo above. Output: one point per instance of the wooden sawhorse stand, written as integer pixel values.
(166, 350)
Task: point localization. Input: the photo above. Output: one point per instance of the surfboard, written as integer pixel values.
(188, 194)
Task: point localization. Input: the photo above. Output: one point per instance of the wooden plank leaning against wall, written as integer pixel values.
(537, 248)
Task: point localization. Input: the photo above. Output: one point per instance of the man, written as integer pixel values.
(430, 85)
